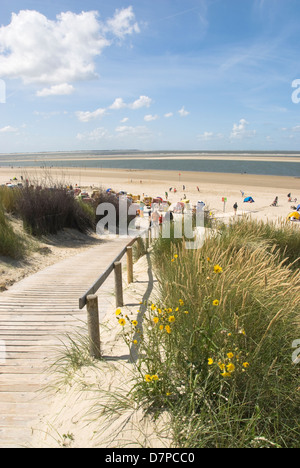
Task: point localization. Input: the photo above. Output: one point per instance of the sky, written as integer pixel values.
(171, 75)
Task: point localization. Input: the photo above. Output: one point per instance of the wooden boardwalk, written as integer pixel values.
(34, 314)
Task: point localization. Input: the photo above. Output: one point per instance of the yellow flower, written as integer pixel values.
(170, 310)
(161, 327)
(168, 329)
(181, 302)
(231, 367)
(216, 302)
(230, 355)
(159, 311)
(171, 319)
(134, 323)
(173, 260)
(218, 269)
(156, 320)
(225, 374)
(153, 307)
(118, 312)
(208, 259)
(122, 322)
(242, 332)
(155, 377)
(221, 366)
(246, 365)
(148, 378)
(135, 342)
(177, 309)
(175, 256)
(210, 362)
(186, 312)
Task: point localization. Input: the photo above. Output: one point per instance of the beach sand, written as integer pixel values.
(212, 187)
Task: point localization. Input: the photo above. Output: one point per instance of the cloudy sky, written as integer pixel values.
(149, 75)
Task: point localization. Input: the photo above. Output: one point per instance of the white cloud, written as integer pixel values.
(150, 118)
(118, 104)
(8, 129)
(123, 23)
(95, 135)
(124, 120)
(38, 50)
(56, 90)
(208, 136)
(182, 112)
(137, 132)
(240, 131)
(143, 101)
(88, 116)
(168, 115)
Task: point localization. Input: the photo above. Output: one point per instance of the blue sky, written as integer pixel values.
(159, 75)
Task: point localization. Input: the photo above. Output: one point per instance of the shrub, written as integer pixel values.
(46, 211)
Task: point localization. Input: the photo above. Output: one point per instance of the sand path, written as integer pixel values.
(34, 314)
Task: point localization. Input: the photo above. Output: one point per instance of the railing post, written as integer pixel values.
(129, 265)
(118, 284)
(150, 236)
(93, 326)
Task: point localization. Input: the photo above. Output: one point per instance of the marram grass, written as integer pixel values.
(216, 349)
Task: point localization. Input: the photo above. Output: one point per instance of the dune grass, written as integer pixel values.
(11, 244)
(216, 348)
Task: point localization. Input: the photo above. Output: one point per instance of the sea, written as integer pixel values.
(164, 161)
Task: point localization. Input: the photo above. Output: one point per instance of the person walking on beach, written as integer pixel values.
(235, 207)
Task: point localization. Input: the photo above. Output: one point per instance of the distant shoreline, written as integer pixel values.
(255, 164)
(264, 156)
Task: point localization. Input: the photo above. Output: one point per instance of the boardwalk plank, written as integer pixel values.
(34, 316)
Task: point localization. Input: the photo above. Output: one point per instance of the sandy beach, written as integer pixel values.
(212, 187)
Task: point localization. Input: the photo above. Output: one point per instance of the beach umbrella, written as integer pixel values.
(295, 215)
(298, 208)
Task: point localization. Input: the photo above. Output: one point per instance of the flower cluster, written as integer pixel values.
(151, 378)
(123, 319)
(165, 317)
(229, 364)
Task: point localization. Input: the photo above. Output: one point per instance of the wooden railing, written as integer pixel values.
(90, 299)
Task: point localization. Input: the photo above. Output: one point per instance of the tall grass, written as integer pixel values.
(283, 237)
(9, 199)
(216, 349)
(11, 244)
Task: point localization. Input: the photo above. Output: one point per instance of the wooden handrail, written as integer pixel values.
(90, 299)
(99, 282)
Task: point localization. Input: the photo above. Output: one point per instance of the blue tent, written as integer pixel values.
(298, 208)
(248, 199)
